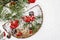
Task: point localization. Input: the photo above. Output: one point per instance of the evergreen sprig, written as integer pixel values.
(18, 8)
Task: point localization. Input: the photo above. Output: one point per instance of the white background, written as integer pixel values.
(50, 29)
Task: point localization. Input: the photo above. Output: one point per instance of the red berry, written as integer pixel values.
(31, 1)
(4, 33)
(32, 18)
(19, 34)
(30, 31)
(12, 27)
(26, 18)
(14, 24)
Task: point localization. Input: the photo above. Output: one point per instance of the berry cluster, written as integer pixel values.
(29, 18)
(14, 24)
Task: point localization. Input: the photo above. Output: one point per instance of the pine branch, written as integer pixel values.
(17, 8)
